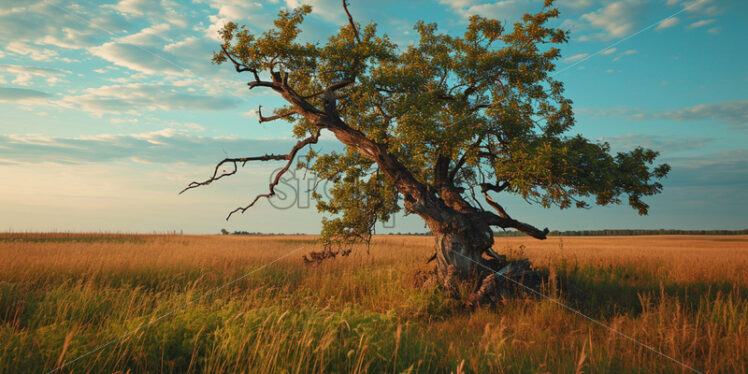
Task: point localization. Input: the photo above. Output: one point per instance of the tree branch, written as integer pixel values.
(350, 21)
(506, 222)
(485, 187)
(275, 117)
(258, 83)
(290, 156)
(239, 67)
(495, 205)
(461, 161)
(232, 161)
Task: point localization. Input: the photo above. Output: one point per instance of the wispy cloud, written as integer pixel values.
(701, 23)
(735, 112)
(732, 112)
(21, 94)
(713, 169)
(576, 57)
(24, 74)
(164, 146)
(667, 23)
(620, 143)
(615, 20)
(137, 97)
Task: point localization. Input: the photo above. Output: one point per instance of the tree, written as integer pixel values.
(432, 127)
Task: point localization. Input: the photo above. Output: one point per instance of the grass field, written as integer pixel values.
(63, 295)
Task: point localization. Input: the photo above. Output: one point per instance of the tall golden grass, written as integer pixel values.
(63, 295)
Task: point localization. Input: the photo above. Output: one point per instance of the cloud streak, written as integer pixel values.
(731, 112)
(137, 97)
(21, 94)
(165, 147)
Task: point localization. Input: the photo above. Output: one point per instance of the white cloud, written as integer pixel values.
(123, 120)
(704, 7)
(506, 10)
(452, 3)
(578, 57)
(667, 23)
(625, 53)
(329, 10)
(734, 112)
(156, 11)
(61, 24)
(24, 74)
(609, 51)
(701, 23)
(729, 112)
(147, 60)
(194, 126)
(575, 4)
(168, 145)
(136, 7)
(136, 98)
(253, 14)
(153, 35)
(616, 20)
(36, 53)
(622, 143)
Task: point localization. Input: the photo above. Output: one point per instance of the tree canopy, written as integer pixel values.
(461, 117)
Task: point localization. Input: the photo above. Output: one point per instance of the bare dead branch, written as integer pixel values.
(233, 161)
(290, 157)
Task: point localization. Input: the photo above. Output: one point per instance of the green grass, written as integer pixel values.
(59, 301)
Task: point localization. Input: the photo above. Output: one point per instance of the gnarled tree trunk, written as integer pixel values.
(461, 243)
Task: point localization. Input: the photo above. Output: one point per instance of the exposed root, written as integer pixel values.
(514, 279)
(486, 294)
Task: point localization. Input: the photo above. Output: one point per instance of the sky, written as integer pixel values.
(109, 109)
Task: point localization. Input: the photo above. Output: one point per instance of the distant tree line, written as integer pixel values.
(630, 232)
(227, 232)
(606, 232)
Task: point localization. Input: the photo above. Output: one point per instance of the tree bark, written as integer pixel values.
(461, 242)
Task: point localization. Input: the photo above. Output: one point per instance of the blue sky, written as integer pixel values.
(110, 108)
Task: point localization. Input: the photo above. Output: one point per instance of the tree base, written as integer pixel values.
(505, 280)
